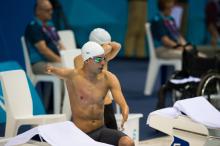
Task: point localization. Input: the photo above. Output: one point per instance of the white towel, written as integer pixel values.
(200, 110)
(57, 134)
(168, 112)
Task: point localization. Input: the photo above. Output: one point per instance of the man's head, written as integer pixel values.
(93, 54)
(43, 10)
(91, 50)
(166, 6)
(100, 36)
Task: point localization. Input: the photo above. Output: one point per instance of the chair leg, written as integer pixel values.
(66, 109)
(178, 66)
(151, 77)
(57, 96)
(162, 96)
(10, 128)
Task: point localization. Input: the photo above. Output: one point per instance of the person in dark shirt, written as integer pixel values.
(43, 43)
(168, 40)
(213, 21)
(42, 39)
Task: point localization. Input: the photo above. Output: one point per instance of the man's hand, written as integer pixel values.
(124, 118)
(214, 42)
(111, 50)
(49, 69)
(61, 46)
(107, 48)
(115, 45)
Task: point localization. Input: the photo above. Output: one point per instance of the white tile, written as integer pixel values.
(162, 141)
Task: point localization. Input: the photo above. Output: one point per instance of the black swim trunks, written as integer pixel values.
(109, 116)
(106, 135)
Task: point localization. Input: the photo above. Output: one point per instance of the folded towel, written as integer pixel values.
(168, 112)
(200, 110)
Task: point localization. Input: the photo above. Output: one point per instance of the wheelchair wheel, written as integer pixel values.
(210, 86)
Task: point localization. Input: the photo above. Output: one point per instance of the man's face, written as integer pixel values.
(45, 11)
(97, 63)
(168, 8)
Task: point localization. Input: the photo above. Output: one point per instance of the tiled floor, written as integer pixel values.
(162, 141)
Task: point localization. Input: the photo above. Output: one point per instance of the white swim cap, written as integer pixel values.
(91, 49)
(100, 36)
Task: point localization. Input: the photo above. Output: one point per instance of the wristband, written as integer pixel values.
(176, 46)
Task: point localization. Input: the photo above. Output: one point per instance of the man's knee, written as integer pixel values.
(126, 141)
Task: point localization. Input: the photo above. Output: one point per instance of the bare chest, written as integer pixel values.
(88, 92)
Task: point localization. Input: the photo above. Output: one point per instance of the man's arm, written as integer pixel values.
(214, 34)
(111, 50)
(172, 44)
(63, 73)
(159, 31)
(47, 52)
(168, 42)
(118, 96)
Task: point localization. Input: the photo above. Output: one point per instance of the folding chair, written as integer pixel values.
(18, 103)
(2, 105)
(155, 63)
(68, 39)
(35, 78)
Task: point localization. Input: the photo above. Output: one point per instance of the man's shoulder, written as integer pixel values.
(157, 18)
(78, 58)
(108, 74)
(33, 23)
(32, 26)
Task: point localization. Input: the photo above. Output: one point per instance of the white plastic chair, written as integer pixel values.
(68, 39)
(67, 57)
(2, 105)
(35, 78)
(155, 63)
(18, 103)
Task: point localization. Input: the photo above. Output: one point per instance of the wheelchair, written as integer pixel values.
(198, 77)
(209, 86)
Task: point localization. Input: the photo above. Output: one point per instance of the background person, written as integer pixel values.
(212, 12)
(42, 38)
(43, 43)
(168, 40)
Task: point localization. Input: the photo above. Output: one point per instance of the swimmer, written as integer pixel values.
(111, 48)
(87, 88)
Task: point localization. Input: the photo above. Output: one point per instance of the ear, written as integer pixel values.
(87, 61)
